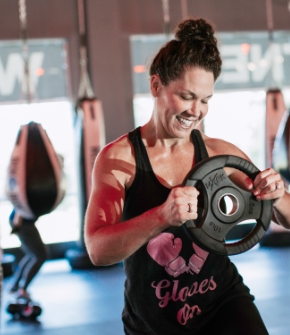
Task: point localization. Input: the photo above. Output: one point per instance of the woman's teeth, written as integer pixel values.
(183, 121)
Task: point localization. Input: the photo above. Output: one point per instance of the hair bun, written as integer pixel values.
(194, 45)
(191, 30)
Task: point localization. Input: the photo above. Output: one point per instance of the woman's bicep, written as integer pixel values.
(107, 197)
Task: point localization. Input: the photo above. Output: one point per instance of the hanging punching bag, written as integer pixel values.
(281, 150)
(277, 156)
(90, 135)
(275, 110)
(275, 114)
(90, 139)
(36, 181)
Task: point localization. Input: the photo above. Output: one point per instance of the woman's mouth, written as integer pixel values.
(184, 122)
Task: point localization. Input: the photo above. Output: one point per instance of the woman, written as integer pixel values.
(34, 250)
(138, 204)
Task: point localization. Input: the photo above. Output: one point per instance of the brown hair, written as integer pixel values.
(194, 46)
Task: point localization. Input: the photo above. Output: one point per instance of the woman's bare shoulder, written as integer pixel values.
(116, 161)
(121, 148)
(217, 146)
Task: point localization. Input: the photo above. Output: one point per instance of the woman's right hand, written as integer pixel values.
(180, 206)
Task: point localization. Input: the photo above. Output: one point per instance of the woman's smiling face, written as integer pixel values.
(183, 103)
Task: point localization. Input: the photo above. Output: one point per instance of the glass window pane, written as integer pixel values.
(237, 117)
(57, 119)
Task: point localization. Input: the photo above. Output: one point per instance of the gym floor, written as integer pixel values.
(89, 302)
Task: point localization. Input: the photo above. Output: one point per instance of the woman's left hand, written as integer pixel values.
(268, 185)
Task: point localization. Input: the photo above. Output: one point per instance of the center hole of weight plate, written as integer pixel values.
(228, 204)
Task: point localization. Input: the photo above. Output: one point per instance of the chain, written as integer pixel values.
(25, 52)
(270, 26)
(166, 17)
(85, 89)
(269, 15)
(184, 9)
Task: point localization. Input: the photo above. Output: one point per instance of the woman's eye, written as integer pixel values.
(185, 97)
(204, 102)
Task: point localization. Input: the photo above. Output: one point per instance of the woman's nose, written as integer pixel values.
(195, 108)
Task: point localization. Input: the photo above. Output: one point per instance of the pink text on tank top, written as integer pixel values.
(164, 292)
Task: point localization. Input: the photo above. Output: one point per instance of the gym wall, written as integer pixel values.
(110, 23)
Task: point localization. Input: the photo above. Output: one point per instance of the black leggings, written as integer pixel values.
(34, 255)
(239, 316)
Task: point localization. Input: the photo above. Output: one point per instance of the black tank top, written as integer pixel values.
(172, 286)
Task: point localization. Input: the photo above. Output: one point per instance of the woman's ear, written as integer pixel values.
(155, 84)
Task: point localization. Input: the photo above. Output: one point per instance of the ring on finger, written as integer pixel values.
(190, 208)
(278, 186)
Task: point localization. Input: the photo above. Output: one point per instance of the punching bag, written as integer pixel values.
(90, 139)
(281, 150)
(275, 110)
(277, 156)
(90, 134)
(36, 181)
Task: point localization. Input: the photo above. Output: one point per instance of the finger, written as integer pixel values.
(267, 182)
(189, 204)
(191, 212)
(278, 185)
(262, 176)
(249, 184)
(189, 191)
(185, 202)
(274, 190)
(190, 209)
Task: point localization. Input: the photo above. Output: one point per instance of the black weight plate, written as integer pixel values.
(213, 223)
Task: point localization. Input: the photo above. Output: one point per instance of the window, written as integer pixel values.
(237, 109)
(48, 70)
(57, 119)
(237, 117)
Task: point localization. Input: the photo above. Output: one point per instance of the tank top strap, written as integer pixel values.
(199, 146)
(142, 159)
